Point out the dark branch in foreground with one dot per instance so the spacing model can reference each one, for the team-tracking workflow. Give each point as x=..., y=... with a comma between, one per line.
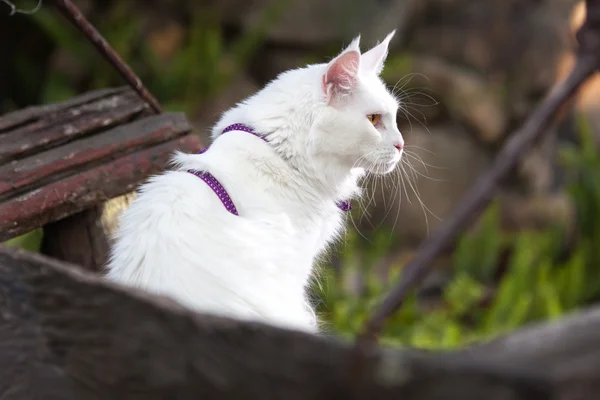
x=75, y=17
x=66, y=334
x=480, y=195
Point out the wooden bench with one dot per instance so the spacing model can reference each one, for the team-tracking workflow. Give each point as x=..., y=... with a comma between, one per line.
x=59, y=163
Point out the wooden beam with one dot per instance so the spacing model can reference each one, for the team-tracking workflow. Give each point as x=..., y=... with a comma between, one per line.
x=35, y=113
x=66, y=334
x=566, y=350
x=80, y=239
x=51, y=129
x=74, y=157
x=86, y=189
x=49, y=155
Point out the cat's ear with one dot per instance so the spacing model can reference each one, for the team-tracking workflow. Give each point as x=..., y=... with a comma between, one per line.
x=341, y=76
x=372, y=61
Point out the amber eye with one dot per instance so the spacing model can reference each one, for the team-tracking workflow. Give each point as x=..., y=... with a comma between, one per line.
x=374, y=118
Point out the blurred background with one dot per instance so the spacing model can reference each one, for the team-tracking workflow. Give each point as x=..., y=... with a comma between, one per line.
x=468, y=73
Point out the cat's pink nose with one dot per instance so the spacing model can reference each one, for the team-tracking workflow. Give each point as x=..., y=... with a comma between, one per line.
x=398, y=146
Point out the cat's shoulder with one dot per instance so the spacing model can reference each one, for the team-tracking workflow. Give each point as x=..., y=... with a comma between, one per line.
x=173, y=189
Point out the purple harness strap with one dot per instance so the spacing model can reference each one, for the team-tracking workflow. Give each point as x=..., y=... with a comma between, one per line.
x=220, y=191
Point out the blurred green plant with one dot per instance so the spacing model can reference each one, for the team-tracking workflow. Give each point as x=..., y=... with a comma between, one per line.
x=30, y=241
x=542, y=279
x=202, y=67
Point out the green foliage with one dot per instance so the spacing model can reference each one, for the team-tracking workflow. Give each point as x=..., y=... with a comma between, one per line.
x=540, y=281
x=477, y=255
x=199, y=70
x=30, y=241
x=397, y=65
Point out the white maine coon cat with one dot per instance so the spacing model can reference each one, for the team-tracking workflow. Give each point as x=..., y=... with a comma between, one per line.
x=323, y=127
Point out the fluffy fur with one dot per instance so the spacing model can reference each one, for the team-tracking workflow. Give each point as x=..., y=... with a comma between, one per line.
x=177, y=239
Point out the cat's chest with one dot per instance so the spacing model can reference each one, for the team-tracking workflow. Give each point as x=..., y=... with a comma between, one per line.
x=292, y=215
x=304, y=232
x=276, y=206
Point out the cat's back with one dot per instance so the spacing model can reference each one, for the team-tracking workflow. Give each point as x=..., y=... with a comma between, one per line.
x=159, y=228
x=177, y=238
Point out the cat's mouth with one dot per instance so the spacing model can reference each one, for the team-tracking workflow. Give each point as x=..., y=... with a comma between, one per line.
x=379, y=164
x=382, y=168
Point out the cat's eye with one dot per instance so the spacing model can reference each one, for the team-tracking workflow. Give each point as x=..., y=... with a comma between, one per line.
x=374, y=118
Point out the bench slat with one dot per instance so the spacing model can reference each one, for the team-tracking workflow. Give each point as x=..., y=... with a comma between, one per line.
x=84, y=190
x=64, y=125
x=73, y=157
x=30, y=114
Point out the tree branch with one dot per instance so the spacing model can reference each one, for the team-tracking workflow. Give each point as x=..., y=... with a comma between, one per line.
x=75, y=17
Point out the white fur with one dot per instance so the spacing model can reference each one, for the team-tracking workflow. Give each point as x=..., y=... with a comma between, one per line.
x=177, y=238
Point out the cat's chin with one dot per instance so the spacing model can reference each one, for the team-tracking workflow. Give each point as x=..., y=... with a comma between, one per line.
x=383, y=168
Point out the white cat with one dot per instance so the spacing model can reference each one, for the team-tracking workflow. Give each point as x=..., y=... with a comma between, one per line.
x=247, y=249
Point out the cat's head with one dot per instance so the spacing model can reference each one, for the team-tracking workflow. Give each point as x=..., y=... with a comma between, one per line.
x=328, y=119
x=357, y=125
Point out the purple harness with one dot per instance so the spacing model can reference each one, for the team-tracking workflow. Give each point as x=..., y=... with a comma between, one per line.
x=220, y=191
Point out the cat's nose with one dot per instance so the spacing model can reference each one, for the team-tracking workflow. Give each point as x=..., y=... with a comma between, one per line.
x=398, y=143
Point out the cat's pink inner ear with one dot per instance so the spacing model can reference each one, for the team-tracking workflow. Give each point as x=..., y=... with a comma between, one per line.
x=342, y=73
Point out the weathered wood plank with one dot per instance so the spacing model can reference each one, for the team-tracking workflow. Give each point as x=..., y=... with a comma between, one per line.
x=73, y=157
x=568, y=350
x=30, y=114
x=91, y=339
x=86, y=189
x=69, y=124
